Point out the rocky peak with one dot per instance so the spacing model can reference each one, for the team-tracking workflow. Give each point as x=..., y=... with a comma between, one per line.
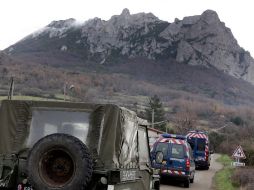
x=189, y=20
x=93, y=23
x=55, y=29
x=62, y=23
x=125, y=13
x=126, y=19
x=210, y=17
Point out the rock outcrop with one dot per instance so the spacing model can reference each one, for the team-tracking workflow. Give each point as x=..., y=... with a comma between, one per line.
x=196, y=40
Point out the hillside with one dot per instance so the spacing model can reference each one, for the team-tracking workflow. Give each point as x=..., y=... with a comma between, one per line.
x=134, y=55
x=201, y=40
x=170, y=82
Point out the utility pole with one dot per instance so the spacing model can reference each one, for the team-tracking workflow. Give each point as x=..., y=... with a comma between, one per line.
x=10, y=94
x=152, y=118
x=65, y=86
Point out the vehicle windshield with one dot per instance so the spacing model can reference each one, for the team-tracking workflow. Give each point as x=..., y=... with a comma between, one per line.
x=192, y=143
x=46, y=122
x=201, y=144
x=143, y=146
x=177, y=151
x=162, y=147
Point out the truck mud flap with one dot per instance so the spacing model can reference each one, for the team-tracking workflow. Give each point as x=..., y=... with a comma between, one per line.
x=1, y=166
x=8, y=171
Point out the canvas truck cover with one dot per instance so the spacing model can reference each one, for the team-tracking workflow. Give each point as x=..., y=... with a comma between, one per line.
x=111, y=138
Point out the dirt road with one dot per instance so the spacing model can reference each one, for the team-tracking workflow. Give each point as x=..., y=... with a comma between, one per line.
x=203, y=178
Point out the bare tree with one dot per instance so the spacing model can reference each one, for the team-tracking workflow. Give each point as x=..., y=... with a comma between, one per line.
x=185, y=121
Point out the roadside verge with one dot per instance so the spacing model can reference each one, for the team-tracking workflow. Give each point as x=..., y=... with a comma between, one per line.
x=222, y=179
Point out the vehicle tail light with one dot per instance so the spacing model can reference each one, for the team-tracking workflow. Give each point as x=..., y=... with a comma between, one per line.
x=188, y=164
x=206, y=155
x=20, y=187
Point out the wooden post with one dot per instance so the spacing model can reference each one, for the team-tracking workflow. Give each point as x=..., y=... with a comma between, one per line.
x=153, y=118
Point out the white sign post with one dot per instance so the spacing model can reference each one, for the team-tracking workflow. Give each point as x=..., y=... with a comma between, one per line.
x=238, y=154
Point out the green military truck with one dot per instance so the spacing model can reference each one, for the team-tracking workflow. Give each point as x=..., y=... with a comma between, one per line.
x=73, y=146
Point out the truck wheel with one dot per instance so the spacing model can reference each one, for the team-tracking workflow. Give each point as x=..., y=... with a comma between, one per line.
x=156, y=185
x=59, y=162
x=187, y=183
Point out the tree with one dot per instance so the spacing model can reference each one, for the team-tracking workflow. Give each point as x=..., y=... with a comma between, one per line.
x=155, y=105
x=215, y=140
x=4, y=72
x=185, y=121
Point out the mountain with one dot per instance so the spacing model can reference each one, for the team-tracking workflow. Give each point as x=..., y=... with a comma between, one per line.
x=195, y=40
x=195, y=65
x=132, y=56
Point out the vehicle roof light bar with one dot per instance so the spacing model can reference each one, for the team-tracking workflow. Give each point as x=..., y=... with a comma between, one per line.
x=197, y=131
x=166, y=135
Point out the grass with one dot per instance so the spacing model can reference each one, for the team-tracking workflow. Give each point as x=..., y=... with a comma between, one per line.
x=223, y=177
x=225, y=160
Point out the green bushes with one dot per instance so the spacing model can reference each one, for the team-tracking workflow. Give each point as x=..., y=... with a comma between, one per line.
x=237, y=120
x=215, y=140
x=225, y=160
x=249, y=153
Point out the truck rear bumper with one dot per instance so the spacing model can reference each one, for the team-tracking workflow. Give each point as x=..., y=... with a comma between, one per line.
x=178, y=175
x=202, y=163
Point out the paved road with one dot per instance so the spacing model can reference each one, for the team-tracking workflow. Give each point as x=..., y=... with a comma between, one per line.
x=203, y=178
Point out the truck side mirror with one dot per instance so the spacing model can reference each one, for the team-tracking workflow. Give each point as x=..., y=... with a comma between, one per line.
x=211, y=151
x=159, y=157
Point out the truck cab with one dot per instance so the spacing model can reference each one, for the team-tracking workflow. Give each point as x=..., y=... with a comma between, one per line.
x=69, y=146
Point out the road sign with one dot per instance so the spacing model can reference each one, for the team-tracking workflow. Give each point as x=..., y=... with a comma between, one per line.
x=238, y=153
x=237, y=164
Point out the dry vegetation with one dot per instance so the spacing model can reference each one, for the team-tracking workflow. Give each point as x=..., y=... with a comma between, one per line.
x=244, y=178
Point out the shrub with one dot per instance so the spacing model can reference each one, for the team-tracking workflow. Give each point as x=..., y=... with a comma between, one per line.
x=249, y=153
x=51, y=96
x=215, y=140
x=243, y=176
x=237, y=120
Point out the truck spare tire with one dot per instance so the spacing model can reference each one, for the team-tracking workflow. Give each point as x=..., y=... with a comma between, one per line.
x=59, y=162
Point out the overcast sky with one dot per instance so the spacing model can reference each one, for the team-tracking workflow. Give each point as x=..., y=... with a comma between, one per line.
x=19, y=18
